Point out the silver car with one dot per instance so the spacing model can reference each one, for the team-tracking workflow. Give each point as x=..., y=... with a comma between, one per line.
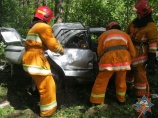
x=79, y=61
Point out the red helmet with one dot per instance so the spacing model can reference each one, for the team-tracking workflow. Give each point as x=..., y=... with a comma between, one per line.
x=44, y=13
x=111, y=24
x=143, y=7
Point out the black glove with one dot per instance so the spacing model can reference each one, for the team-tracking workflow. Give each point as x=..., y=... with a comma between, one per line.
x=151, y=64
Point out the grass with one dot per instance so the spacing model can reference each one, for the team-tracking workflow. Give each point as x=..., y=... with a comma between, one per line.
x=72, y=103
x=3, y=91
x=101, y=111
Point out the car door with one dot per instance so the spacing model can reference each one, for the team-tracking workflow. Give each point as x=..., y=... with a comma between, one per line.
x=77, y=55
x=78, y=59
x=14, y=45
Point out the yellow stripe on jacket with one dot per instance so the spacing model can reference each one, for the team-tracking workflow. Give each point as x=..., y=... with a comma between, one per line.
x=39, y=38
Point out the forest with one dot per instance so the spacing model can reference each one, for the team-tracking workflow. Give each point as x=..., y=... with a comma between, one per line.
x=18, y=14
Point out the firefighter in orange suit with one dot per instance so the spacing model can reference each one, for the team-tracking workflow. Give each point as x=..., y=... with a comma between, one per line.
x=39, y=38
x=144, y=35
x=116, y=51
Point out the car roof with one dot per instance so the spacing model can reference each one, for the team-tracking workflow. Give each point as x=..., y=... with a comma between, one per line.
x=97, y=29
x=65, y=31
x=66, y=26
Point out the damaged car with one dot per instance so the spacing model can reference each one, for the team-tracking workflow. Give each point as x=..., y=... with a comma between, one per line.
x=79, y=61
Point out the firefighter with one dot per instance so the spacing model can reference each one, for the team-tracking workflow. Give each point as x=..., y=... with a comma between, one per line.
x=144, y=35
x=40, y=38
x=116, y=51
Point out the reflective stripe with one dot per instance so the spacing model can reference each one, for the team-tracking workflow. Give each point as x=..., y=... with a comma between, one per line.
x=48, y=106
x=139, y=60
x=144, y=37
x=153, y=46
x=59, y=48
x=41, y=12
x=97, y=96
x=138, y=87
x=115, y=68
x=129, y=81
x=36, y=69
x=34, y=37
x=118, y=66
x=139, y=84
x=115, y=37
x=120, y=93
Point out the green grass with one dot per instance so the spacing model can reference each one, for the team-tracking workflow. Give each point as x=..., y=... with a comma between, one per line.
x=3, y=92
x=101, y=111
x=72, y=103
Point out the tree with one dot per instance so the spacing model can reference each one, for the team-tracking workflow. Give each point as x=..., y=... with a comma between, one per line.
x=0, y=13
x=59, y=11
x=19, y=13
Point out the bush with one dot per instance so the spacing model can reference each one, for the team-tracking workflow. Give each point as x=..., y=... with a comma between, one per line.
x=2, y=50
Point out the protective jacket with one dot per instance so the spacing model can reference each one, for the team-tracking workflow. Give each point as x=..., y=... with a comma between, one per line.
x=116, y=52
x=145, y=42
x=39, y=38
x=116, y=58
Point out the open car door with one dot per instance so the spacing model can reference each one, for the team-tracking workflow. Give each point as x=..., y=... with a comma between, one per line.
x=78, y=59
x=14, y=43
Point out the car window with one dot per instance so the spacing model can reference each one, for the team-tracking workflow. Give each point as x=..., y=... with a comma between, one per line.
x=78, y=41
x=94, y=37
x=94, y=34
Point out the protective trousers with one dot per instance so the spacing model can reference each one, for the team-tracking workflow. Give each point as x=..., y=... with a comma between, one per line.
x=100, y=86
x=137, y=76
x=47, y=90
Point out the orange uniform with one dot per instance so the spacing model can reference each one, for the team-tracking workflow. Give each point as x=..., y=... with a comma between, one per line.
x=39, y=38
x=145, y=42
x=116, y=52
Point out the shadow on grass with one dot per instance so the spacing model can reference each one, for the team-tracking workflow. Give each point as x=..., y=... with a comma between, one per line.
x=17, y=91
x=72, y=101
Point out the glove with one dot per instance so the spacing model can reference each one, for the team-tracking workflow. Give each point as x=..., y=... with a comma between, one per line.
x=151, y=64
x=62, y=51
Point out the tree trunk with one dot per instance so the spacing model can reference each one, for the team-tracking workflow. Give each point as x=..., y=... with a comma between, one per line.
x=59, y=11
x=1, y=13
x=66, y=10
x=37, y=3
x=45, y=2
